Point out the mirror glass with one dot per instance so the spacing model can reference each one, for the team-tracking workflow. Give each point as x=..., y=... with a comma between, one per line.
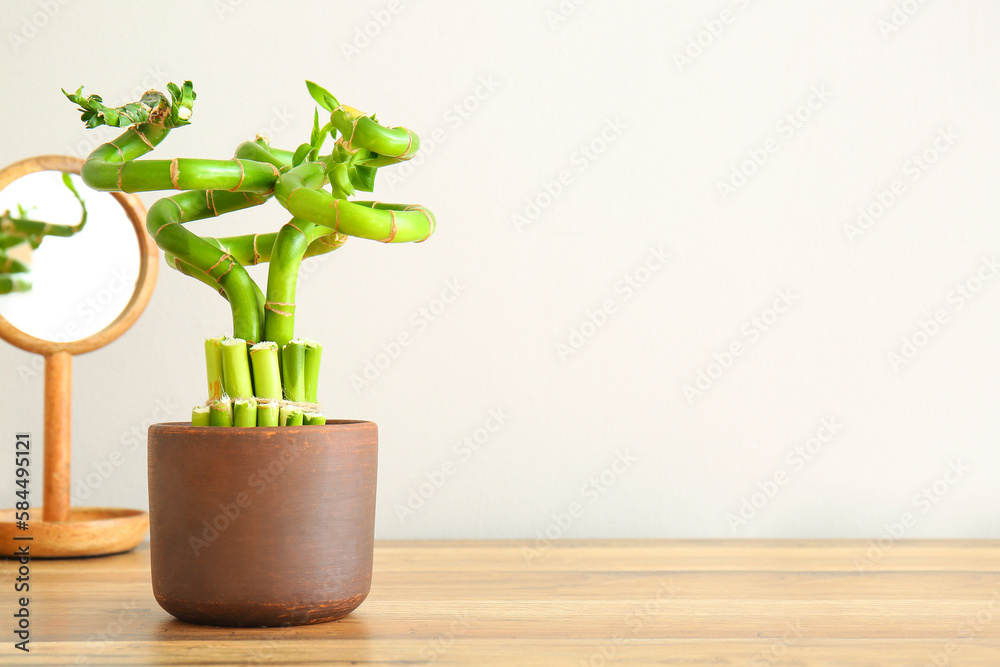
x=74, y=280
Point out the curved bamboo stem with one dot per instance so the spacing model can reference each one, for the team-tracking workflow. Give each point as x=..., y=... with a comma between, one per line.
x=389, y=223
x=165, y=220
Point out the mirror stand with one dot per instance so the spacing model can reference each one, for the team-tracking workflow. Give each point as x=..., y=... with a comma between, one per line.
x=58, y=397
x=57, y=530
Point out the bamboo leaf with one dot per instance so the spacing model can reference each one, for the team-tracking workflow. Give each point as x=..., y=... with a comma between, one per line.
x=314, y=137
x=300, y=154
x=322, y=96
x=363, y=178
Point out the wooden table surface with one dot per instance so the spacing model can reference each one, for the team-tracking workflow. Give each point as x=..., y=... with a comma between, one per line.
x=678, y=602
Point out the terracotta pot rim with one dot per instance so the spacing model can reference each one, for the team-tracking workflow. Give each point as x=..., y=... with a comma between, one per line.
x=185, y=427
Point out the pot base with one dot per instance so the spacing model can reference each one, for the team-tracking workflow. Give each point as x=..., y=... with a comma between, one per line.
x=259, y=616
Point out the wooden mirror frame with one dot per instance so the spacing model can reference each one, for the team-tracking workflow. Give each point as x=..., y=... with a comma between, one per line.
x=148, y=265
x=64, y=531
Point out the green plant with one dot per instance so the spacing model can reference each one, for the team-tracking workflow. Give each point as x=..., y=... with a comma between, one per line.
x=18, y=232
x=262, y=373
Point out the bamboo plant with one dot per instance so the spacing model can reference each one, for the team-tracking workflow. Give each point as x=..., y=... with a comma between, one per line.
x=261, y=375
x=19, y=232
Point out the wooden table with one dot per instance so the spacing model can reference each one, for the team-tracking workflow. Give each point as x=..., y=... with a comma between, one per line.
x=572, y=603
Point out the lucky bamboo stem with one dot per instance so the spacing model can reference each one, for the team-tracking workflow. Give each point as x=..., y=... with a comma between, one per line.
x=390, y=223
x=266, y=376
x=313, y=419
x=289, y=247
x=213, y=366
x=200, y=416
x=290, y=416
x=293, y=371
x=236, y=380
x=244, y=412
x=268, y=413
x=221, y=412
x=313, y=353
x=162, y=222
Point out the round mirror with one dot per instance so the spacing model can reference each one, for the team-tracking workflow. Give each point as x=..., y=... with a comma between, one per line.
x=76, y=270
x=76, y=265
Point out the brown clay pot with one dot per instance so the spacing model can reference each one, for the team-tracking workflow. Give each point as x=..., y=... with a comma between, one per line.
x=262, y=526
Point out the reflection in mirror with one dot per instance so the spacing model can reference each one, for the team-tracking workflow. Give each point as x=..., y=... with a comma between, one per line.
x=62, y=279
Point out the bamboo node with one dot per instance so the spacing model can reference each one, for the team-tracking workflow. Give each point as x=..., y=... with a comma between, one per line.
x=175, y=173
x=121, y=153
x=409, y=142
x=431, y=225
x=270, y=305
x=145, y=140
x=392, y=228
x=243, y=174
x=223, y=258
x=162, y=227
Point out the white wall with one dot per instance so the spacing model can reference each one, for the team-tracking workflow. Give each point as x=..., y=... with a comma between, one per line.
x=673, y=132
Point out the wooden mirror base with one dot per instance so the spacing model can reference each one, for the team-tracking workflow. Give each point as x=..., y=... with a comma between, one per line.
x=89, y=531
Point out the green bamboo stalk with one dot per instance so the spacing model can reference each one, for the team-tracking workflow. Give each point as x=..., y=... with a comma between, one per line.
x=313, y=353
x=289, y=247
x=236, y=379
x=266, y=376
x=213, y=366
x=290, y=416
x=251, y=249
x=390, y=223
x=162, y=223
x=103, y=163
x=293, y=370
x=244, y=412
x=313, y=419
x=363, y=132
x=268, y=413
x=108, y=173
x=188, y=270
x=221, y=413
x=200, y=416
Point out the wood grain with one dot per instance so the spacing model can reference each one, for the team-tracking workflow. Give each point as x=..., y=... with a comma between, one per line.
x=685, y=602
x=58, y=395
x=86, y=531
